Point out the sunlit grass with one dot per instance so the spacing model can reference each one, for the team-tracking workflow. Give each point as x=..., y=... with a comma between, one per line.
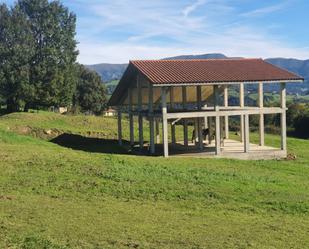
x=54, y=197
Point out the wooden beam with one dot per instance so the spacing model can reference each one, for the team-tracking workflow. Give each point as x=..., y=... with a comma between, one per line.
x=261, y=120
x=229, y=83
x=217, y=130
x=140, y=117
x=283, y=117
x=246, y=134
x=164, y=121
x=151, y=119
x=226, y=118
x=119, y=128
x=131, y=117
x=232, y=112
x=185, y=121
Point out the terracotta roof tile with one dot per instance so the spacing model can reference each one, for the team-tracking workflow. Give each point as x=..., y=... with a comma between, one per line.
x=160, y=72
x=211, y=70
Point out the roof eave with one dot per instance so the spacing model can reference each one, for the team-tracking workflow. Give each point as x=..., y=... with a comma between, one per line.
x=227, y=82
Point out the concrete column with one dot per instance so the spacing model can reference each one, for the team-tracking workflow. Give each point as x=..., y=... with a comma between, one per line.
x=283, y=117
x=131, y=118
x=246, y=133
x=185, y=121
x=226, y=118
x=242, y=104
x=261, y=120
x=140, y=116
x=119, y=128
x=164, y=121
x=151, y=119
x=216, y=107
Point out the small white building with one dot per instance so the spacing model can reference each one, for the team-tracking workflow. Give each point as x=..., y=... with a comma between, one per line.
x=110, y=112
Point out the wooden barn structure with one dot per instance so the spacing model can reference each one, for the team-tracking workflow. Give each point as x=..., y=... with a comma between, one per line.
x=196, y=92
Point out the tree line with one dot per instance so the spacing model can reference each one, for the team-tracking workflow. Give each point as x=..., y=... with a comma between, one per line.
x=38, y=53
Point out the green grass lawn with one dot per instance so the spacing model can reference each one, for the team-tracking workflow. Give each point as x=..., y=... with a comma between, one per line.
x=56, y=197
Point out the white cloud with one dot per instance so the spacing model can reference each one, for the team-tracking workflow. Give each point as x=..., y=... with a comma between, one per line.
x=192, y=7
x=148, y=24
x=266, y=10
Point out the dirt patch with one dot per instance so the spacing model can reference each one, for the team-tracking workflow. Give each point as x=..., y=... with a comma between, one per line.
x=45, y=134
x=6, y=198
x=291, y=157
x=52, y=133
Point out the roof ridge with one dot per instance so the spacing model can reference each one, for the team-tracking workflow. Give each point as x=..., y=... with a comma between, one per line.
x=186, y=60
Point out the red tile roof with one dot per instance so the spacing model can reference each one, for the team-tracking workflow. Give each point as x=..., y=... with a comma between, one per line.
x=207, y=71
x=211, y=71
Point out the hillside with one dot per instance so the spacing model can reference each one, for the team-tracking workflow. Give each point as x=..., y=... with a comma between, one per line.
x=79, y=195
x=110, y=72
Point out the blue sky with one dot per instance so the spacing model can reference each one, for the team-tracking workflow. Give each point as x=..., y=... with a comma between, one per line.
x=116, y=31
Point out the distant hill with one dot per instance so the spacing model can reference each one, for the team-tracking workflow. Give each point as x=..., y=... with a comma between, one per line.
x=197, y=57
x=110, y=72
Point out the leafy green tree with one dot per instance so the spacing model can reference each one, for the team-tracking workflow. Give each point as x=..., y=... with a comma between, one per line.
x=16, y=50
x=294, y=111
x=52, y=66
x=301, y=124
x=90, y=93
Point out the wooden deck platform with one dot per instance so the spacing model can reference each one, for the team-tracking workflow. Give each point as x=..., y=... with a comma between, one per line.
x=230, y=149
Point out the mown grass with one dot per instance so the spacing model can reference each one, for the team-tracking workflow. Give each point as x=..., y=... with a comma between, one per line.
x=54, y=197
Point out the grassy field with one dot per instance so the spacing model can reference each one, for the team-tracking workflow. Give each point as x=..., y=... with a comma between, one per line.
x=53, y=196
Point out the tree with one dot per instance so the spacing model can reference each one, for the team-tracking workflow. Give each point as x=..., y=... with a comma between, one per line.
x=294, y=111
x=37, y=54
x=16, y=50
x=301, y=125
x=52, y=66
x=90, y=93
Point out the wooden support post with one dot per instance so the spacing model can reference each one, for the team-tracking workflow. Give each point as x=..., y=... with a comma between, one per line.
x=226, y=118
x=164, y=122
x=157, y=132
x=185, y=121
x=119, y=128
x=173, y=131
x=246, y=133
x=210, y=129
x=261, y=121
x=140, y=117
x=218, y=140
x=195, y=132
x=131, y=117
x=283, y=117
x=242, y=104
x=216, y=107
x=199, y=120
x=151, y=119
